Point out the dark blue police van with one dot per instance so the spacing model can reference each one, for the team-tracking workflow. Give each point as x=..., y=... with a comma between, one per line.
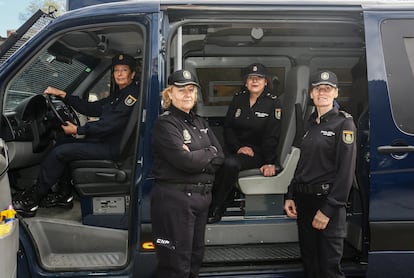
x=107, y=233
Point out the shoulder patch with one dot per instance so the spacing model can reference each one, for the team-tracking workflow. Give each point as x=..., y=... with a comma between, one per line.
x=348, y=136
x=345, y=114
x=130, y=100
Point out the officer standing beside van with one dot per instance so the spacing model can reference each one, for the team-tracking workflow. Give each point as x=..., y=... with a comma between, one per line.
x=323, y=178
x=186, y=156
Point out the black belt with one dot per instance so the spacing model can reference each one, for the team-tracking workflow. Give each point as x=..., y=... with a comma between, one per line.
x=317, y=189
x=203, y=188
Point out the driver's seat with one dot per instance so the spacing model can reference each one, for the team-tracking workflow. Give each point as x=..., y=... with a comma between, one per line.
x=104, y=185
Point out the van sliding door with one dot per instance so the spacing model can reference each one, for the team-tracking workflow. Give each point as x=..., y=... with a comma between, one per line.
x=390, y=61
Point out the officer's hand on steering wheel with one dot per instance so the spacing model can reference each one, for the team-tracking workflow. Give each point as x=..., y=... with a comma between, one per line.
x=56, y=92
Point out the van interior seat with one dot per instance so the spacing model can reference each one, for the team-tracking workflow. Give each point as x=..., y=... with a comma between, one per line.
x=104, y=185
x=295, y=97
x=100, y=177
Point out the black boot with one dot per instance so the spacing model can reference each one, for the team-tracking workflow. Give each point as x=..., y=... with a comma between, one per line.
x=215, y=215
x=58, y=199
x=59, y=196
x=27, y=203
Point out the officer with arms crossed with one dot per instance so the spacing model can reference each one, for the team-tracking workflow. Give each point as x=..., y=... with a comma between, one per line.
x=251, y=134
x=101, y=137
x=323, y=178
x=186, y=156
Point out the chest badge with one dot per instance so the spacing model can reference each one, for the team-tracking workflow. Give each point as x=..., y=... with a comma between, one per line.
x=348, y=136
x=278, y=113
x=130, y=100
x=187, y=136
x=237, y=113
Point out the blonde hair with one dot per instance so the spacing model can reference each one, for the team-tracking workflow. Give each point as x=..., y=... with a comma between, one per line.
x=166, y=100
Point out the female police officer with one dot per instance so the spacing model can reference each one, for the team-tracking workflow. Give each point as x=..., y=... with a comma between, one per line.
x=186, y=155
x=319, y=190
x=251, y=133
x=101, y=137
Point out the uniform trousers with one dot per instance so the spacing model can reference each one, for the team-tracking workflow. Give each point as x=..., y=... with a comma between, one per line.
x=228, y=175
x=66, y=150
x=178, y=225
x=321, y=251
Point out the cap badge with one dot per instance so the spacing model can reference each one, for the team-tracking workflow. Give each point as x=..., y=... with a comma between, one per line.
x=121, y=57
x=325, y=76
x=187, y=74
x=254, y=68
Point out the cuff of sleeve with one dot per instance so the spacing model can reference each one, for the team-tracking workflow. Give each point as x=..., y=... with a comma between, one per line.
x=327, y=210
x=81, y=130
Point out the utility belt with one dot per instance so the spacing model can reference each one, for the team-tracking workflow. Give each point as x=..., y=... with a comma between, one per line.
x=315, y=189
x=203, y=188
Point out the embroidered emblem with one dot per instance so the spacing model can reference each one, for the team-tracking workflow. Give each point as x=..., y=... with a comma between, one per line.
x=328, y=133
x=238, y=113
x=261, y=114
x=187, y=136
x=254, y=68
x=130, y=100
x=324, y=76
x=187, y=74
x=204, y=130
x=278, y=113
x=120, y=57
x=348, y=136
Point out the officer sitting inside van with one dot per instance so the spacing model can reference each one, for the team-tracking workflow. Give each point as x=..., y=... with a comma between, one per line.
x=101, y=138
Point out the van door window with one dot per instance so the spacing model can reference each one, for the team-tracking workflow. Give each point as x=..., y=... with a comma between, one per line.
x=398, y=45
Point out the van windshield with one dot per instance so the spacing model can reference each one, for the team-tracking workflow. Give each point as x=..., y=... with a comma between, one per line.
x=46, y=70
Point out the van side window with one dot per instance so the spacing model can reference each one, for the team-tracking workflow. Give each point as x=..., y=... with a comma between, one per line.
x=398, y=45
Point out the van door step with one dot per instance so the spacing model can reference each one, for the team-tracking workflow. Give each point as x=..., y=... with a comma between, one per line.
x=251, y=253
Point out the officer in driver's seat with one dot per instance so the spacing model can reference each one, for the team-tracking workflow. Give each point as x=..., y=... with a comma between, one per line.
x=101, y=138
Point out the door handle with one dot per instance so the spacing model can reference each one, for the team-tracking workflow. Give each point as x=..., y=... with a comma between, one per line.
x=395, y=149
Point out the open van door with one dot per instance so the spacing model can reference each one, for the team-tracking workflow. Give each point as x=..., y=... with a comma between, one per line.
x=9, y=229
x=390, y=68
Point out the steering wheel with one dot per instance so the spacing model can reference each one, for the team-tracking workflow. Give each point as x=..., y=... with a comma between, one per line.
x=65, y=113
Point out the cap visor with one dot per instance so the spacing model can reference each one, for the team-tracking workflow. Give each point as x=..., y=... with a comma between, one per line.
x=324, y=83
x=179, y=84
x=256, y=74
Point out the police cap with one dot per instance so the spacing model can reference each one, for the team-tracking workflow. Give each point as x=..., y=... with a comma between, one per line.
x=124, y=59
x=182, y=78
x=325, y=77
x=256, y=69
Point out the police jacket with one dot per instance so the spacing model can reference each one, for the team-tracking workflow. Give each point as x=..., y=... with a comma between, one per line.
x=172, y=163
x=328, y=155
x=113, y=112
x=257, y=127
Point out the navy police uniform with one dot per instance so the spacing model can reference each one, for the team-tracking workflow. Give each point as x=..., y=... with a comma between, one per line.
x=257, y=127
x=322, y=181
x=101, y=137
x=182, y=191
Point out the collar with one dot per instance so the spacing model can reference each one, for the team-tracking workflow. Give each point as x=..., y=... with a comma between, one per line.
x=325, y=117
x=181, y=114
